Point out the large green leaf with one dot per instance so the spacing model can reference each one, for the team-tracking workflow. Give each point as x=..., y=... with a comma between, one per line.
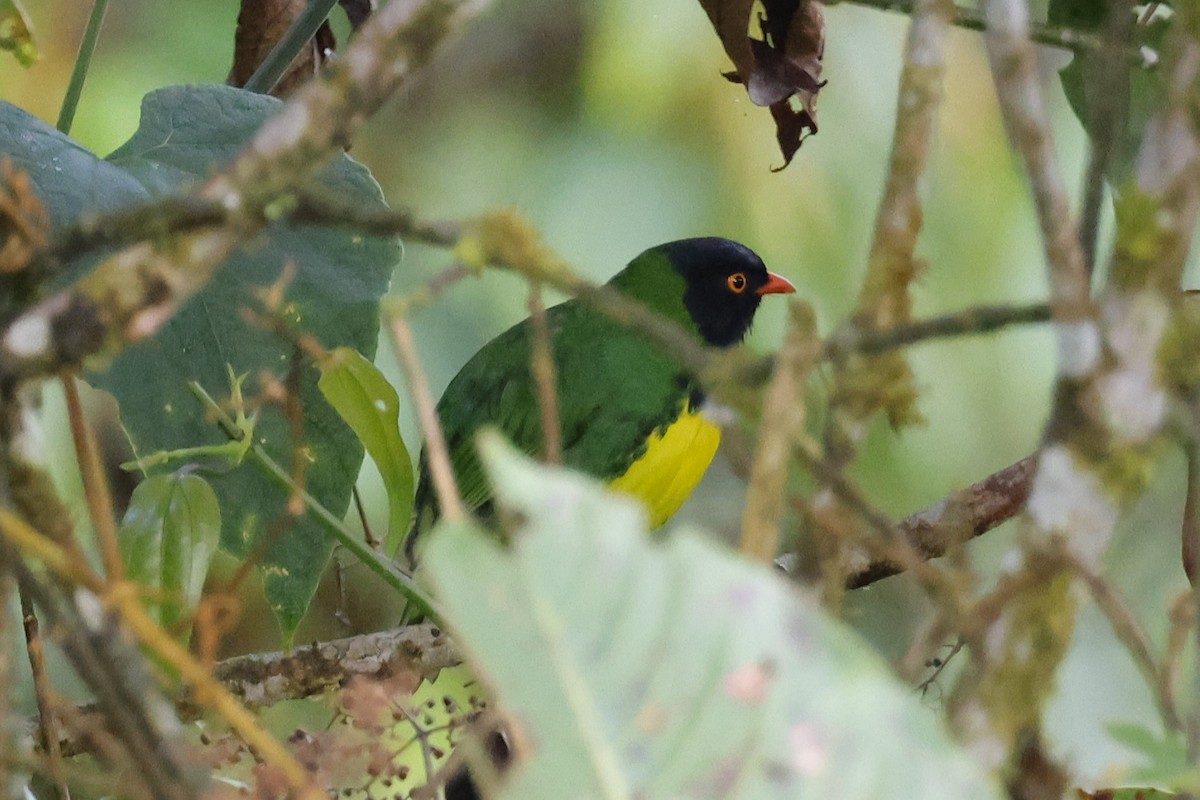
x=644, y=670
x=69, y=181
x=168, y=537
x=368, y=403
x=185, y=132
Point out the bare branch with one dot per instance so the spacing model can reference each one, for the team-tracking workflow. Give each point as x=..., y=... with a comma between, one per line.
x=958, y=518
x=263, y=679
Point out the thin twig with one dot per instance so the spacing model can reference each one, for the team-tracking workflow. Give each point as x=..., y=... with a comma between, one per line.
x=440, y=470
x=95, y=483
x=83, y=60
x=939, y=665
x=976, y=319
x=208, y=692
x=865, y=386
x=47, y=719
x=545, y=376
x=132, y=708
x=1134, y=639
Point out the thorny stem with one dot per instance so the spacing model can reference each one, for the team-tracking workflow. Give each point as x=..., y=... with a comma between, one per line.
x=334, y=526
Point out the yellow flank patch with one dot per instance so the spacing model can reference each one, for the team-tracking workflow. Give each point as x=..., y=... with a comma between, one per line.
x=675, y=460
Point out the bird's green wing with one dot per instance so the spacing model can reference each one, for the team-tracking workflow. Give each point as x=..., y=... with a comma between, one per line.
x=614, y=389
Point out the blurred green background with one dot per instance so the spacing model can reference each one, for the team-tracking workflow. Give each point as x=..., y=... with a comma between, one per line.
x=608, y=124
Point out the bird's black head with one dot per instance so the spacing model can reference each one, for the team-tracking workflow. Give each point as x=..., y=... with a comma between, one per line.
x=723, y=283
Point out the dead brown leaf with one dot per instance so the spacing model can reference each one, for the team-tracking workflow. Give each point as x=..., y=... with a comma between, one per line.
x=778, y=57
x=261, y=24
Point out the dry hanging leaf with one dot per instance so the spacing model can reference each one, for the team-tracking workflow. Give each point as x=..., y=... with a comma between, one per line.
x=261, y=24
x=780, y=62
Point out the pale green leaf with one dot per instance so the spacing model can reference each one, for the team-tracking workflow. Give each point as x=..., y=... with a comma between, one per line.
x=167, y=539
x=682, y=671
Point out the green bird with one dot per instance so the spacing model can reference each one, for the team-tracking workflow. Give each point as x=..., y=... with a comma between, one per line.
x=629, y=414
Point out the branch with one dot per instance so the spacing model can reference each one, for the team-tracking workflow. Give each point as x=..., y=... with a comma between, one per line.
x=1014, y=70
x=957, y=518
x=263, y=679
x=1062, y=37
x=976, y=319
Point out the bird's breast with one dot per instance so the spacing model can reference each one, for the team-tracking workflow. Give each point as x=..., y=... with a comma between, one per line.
x=675, y=460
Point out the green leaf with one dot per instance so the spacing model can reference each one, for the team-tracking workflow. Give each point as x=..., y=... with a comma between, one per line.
x=1085, y=15
x=371, y=407
x=168, y=537
x=70, y=180
x=16, y=36
x=1166, y=758
x=185, y=132
x=1083, y=84
x=640, y=670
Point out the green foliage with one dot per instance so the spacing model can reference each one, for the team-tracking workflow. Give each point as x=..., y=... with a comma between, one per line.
x=69, y=179
x=1165, y=757
x=168, y=537
x=370, y=406
x=334, y=296
x=15, y=34
x=1142, y=89
x=675, y=671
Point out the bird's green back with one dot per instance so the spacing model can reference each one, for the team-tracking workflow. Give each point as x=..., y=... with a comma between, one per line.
x=615, y=387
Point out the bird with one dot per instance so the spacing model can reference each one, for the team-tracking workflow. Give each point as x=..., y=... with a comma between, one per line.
x=629, y=414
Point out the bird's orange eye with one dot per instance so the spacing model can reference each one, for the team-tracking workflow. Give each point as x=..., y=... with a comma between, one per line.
x=736, y=282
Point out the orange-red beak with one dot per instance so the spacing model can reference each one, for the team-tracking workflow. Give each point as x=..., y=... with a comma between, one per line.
x=777, y=284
